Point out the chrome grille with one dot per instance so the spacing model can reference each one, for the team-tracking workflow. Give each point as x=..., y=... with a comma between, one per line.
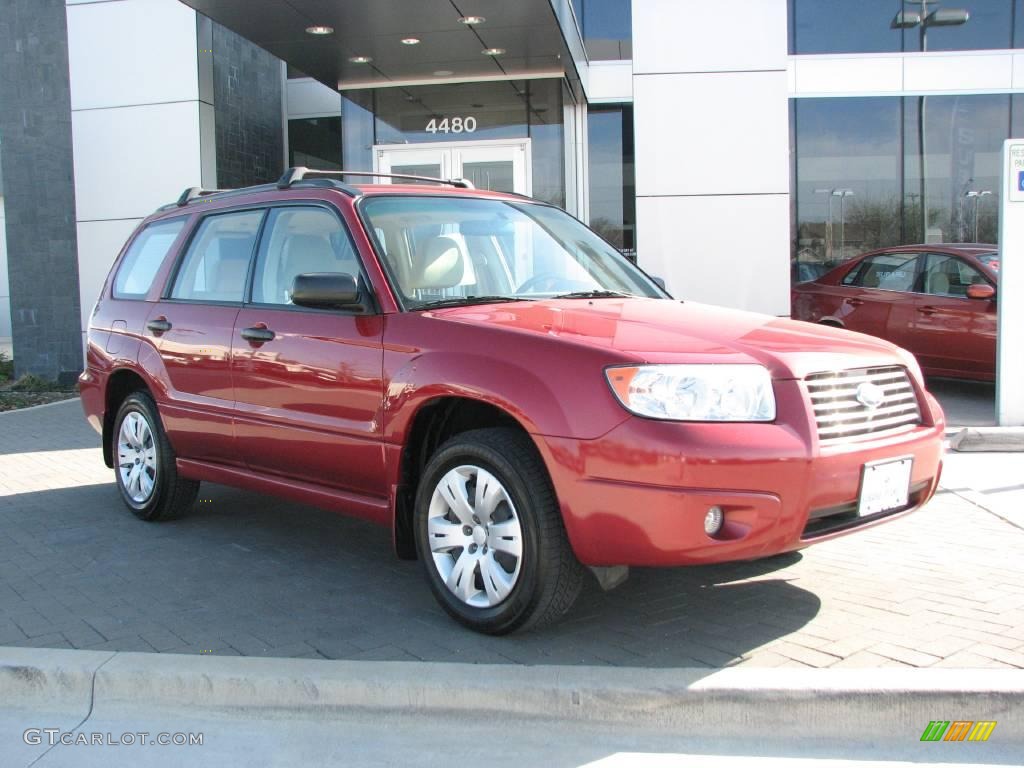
x=840, y=416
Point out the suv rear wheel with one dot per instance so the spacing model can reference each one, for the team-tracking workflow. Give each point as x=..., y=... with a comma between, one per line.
x=144, y=464
x=489, y=532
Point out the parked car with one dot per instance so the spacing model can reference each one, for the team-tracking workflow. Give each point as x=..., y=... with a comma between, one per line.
x=486, y=377
x=938, y=301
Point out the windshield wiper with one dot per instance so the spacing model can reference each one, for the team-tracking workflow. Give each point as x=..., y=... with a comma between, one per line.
x=595, y=295
x=463, y=301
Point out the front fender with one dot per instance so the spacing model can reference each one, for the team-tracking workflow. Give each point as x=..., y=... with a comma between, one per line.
x=538, y=402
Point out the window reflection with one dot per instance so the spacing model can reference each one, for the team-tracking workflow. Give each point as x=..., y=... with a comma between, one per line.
x=858, y=173
x=315, y=142
x=606, y=27
x=611, y=171
x=841, y=26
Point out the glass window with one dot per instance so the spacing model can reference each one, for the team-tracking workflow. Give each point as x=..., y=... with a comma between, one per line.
x=217, y=262
x=858, y=165
x=962, y=150
x=606, y=27
x=612, y=175
x=848, y=177
x=144, y=257
x=298, y=241
x=841, y=26
x=315, y=142
x=461, y=248
x=887, y=271
x=946, y=275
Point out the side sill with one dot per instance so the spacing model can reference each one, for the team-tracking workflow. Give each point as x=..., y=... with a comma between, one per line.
x=355, y=505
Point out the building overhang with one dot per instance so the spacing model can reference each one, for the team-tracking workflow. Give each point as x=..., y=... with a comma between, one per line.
x=369, y=44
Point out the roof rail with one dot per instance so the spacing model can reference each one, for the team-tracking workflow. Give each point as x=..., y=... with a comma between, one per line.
x=298, y=173
x=192, y=193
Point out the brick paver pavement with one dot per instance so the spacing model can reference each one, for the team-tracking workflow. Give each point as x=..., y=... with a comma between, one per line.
x=245, y=574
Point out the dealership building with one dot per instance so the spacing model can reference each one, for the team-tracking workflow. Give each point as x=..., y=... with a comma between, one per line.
x=727, y=147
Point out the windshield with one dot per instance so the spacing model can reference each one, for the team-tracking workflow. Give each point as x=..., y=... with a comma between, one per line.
x=463, y=250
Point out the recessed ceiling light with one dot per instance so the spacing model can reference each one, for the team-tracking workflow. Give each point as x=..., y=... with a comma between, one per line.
x=360, y=59
x=443, y=72
x=410, y=41
x=492, y=51
x=320, y=30
x=471, y=20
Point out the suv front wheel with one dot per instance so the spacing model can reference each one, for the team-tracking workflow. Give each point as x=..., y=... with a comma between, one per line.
x=144, y=463
x=489, y=532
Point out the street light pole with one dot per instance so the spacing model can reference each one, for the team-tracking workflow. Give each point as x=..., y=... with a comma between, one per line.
x=828, y=227
x=842, y=194
x=924, y=19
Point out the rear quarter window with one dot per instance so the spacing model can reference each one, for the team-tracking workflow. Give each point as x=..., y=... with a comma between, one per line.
x=145, y=255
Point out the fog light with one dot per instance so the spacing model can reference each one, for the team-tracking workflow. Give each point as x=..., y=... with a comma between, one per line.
x=713, y=521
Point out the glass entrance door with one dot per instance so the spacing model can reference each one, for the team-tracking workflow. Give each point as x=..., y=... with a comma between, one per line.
x=501, y=166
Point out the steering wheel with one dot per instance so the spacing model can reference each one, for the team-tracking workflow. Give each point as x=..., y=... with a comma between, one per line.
x=547, y=282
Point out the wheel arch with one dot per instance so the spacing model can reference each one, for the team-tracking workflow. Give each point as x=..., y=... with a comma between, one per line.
x=120, y=383
x=435, y=421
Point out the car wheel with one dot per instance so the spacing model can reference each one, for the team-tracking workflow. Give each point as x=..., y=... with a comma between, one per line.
x=144, y=463
x=490, y=534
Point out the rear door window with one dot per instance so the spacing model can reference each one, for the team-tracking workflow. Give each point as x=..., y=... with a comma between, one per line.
x=217, y=263
x=145, y=255
x=886, y=271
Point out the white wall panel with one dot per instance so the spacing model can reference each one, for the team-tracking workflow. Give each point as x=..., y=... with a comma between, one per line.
x=825, y=75
x=953, y=73
x=701, y=36
x=131, y=52
x=609, y=82
x=731, y=251
x=705, y=134
x=131, y=160
x=99, y=242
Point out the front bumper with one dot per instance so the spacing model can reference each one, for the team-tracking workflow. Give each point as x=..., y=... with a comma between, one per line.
x=638, y=495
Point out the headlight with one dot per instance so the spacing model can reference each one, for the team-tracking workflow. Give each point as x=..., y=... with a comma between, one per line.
x=723, y=392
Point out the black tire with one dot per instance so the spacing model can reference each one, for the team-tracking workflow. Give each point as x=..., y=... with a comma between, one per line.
x=549, y=577
x=171, y=495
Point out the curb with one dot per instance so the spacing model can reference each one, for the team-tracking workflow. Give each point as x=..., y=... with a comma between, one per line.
x=41, y=405
x=764, y=703
x=990, y=439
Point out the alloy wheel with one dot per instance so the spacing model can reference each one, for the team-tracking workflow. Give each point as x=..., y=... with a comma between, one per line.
x=137, y=457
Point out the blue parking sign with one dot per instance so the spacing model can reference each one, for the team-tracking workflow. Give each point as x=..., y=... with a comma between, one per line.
x=1020, y=181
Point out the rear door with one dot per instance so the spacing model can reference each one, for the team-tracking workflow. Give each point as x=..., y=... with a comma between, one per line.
x=308, y=382
x=953, y=334
x=877, y=295
x=190, y=329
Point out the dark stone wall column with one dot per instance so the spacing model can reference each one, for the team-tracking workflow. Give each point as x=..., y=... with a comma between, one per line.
x=35, y=141
x=247, y=111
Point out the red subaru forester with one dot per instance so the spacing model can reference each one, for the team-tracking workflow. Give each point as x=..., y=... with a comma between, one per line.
x=490, y=379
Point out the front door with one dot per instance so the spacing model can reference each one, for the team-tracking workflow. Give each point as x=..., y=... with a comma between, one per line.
x=500, y=166
x=308, y=389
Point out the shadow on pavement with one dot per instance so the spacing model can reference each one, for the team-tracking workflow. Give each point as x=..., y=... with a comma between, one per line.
x=966, y=403
x=244, y=574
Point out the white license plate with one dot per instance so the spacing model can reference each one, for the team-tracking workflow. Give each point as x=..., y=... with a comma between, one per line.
x=884, y=485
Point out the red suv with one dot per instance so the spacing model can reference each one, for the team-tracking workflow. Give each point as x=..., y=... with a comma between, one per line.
x=491, y=380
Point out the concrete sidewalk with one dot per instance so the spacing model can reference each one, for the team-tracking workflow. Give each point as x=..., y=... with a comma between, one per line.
x=249, y=710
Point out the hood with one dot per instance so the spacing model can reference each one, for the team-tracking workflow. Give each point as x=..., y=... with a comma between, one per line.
x=665, y=331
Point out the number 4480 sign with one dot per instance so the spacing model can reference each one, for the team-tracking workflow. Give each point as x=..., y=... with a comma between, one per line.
x=452, y=125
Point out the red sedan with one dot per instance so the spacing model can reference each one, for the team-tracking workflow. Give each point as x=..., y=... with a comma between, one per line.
x=938, y=301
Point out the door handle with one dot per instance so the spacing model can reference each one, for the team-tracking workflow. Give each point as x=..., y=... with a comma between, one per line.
x=159, y=325
x=258, y=334
x=927, y=310
x=854, y=302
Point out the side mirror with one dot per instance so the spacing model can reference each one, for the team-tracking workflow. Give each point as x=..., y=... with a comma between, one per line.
x=981, y=291
x=660, y=281
x=326, y=290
